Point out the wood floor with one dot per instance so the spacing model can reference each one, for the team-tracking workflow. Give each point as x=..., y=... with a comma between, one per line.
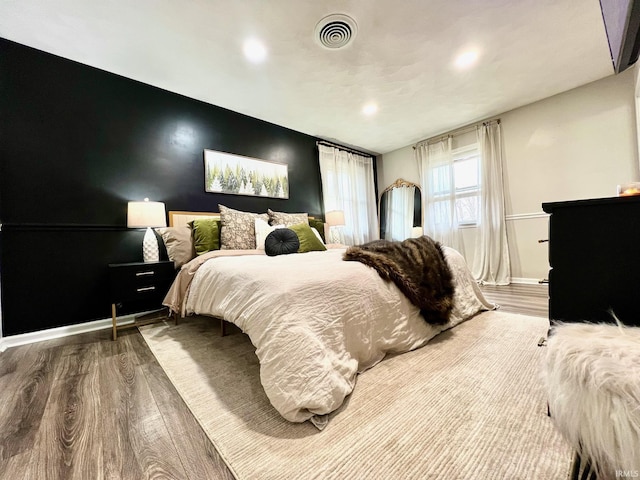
x=518, y=298
x=86, y=407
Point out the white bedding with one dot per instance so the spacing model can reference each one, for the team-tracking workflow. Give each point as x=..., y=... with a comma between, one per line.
x=317, y=321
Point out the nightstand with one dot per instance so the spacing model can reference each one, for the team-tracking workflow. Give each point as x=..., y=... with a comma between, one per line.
x=139, y=286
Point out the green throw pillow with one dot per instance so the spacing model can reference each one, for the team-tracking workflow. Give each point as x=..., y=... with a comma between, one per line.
x=308, y=240
x=319, y=226
x=206, y=235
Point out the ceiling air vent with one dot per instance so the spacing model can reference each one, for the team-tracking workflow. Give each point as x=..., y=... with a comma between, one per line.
x=336, y=31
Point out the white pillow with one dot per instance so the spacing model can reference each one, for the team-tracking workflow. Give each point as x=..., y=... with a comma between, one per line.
x=262, y=230
x=317, y=235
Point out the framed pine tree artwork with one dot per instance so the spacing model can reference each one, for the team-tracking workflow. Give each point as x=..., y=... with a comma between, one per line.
x=238, y=175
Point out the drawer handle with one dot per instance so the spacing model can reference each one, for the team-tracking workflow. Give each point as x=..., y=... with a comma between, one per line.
x=141, y=274
x=145, y=289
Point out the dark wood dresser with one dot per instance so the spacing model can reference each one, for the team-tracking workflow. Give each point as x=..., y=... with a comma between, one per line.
x=594, y=253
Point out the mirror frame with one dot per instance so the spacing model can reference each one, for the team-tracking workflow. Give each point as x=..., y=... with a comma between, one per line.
x=417, y=204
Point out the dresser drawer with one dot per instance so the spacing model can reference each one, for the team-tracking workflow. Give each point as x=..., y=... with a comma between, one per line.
x=140, y=281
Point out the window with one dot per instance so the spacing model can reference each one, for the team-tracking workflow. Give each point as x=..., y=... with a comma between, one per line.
x=348, y=185
x=466, y=182
x=466, y=171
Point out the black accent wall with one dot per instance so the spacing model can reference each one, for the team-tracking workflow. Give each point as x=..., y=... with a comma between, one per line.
x=76, y=144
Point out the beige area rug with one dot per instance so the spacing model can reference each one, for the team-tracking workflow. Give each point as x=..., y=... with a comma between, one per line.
x=468, y=405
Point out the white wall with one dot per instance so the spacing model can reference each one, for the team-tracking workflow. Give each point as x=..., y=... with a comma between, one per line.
x=578, y=144
x=397, y=164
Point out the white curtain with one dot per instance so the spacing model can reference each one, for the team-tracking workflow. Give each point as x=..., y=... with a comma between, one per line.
x=435, y=163
x=491, y=263
x=399, y=208
x=348, y=185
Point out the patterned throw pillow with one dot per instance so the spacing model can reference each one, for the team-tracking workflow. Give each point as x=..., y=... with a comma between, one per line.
x=238, y=228
x=287, y=219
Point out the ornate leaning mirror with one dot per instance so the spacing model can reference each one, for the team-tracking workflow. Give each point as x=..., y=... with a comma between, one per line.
x=400, y=211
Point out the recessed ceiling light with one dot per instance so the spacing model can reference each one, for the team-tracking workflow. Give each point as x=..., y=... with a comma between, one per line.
x=370, y=109
x=466, y=59
x=254, y=50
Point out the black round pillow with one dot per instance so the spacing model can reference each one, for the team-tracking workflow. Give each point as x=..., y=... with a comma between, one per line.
x=281, y=241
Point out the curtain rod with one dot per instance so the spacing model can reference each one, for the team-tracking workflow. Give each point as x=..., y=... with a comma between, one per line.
x=457, y=131
x=340, y=147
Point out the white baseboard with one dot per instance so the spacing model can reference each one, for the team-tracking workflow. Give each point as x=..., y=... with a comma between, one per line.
x=49, y=334
x=525, y=281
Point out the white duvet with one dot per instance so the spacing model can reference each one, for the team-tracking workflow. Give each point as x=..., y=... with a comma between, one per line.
x=316, y=320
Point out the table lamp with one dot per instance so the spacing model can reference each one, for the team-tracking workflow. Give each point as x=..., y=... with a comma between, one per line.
x=334, y=218
x=147, y=215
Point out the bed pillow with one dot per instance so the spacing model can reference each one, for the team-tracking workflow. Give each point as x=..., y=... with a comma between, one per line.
x=238, y=230
x=287, y=219
x=319, y=226
x=262, y=230
x=282, y=241
x=317, y=234
x=179, y=244
x=308, y=240
x=206, y=235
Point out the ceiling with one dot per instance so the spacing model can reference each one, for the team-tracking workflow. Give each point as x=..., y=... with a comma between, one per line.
x=402, y=57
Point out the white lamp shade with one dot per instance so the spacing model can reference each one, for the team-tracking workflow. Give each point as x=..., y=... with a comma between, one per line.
x=146, y=214
x=334, y=218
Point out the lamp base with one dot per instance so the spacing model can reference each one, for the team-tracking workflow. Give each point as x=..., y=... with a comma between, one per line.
x=150, y=251
x=335, y=234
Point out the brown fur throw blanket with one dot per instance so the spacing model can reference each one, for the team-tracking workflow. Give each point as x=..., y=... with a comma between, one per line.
x=418, y=267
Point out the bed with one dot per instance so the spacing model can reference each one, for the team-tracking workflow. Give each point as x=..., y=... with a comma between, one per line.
x=316, y=320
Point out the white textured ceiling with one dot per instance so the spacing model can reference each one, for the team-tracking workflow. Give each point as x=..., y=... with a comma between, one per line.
x=402, y=57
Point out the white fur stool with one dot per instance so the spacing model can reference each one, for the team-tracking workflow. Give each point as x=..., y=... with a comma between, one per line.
x=592, y=374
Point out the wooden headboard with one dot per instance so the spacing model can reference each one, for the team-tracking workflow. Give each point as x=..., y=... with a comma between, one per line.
x=180, y=219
